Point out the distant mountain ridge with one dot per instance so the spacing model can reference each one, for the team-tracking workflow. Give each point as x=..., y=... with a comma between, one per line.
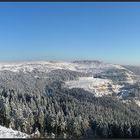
x=88, y=61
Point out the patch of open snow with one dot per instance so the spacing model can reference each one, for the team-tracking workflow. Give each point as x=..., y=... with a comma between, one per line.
x=36, y=76
x=129, y=78
x=96, y=85
x=125, y=101
x=118, y=66
x=10, y=133
x=137, y=102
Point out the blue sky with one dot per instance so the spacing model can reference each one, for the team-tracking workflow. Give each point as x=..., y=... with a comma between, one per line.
x=69, y=31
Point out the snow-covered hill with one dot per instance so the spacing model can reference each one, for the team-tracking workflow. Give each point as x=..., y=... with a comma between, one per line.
x=10, y=133
x=107, y=74
x=47, y=66
x=33, y=93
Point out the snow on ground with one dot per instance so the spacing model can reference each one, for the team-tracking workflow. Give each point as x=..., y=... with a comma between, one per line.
x=129, y=78
x=99, y=86
x=118, y=66
x=137, y=102
x=10, y=133
x=44, y=66
x=47, y=66
x=125, y=101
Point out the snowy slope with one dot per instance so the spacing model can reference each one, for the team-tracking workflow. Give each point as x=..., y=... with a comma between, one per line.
x=44, y=66
x=10, y=133
x=96, y=85
x=47, y=66
x=99, y=85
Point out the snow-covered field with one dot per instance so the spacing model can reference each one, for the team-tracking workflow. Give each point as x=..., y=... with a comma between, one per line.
x=99, y=86
x=10, y=133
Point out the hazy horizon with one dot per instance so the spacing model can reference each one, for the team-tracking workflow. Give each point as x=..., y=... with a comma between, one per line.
x=43, y=60
x=68, y=31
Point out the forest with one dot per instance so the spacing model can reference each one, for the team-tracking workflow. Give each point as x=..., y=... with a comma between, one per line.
x=44, y=108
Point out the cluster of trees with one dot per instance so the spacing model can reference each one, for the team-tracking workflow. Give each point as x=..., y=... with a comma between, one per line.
x=116, y=75
x=95, y=62
x=66, y=75
x=43, y=108
x=134, y=69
